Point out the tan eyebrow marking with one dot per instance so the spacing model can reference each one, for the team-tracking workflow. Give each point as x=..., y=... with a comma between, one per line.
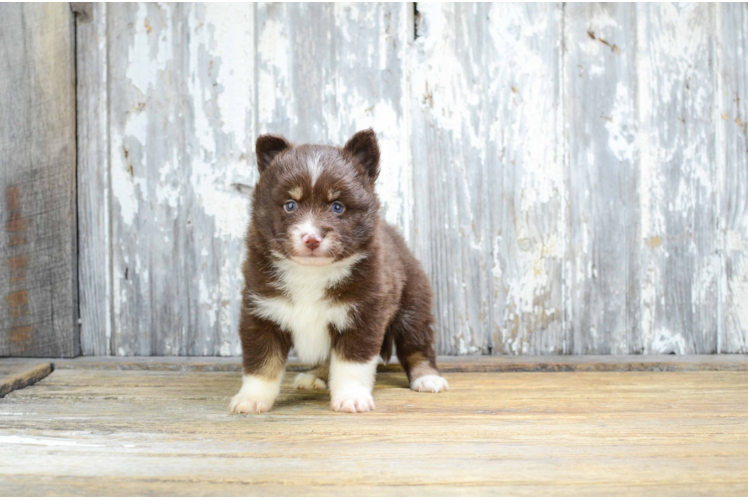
x=333, y=195
x=296, y=193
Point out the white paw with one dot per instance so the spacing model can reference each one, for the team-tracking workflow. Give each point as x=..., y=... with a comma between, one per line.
x=308, y=381
x=359, y=401
x=429, y=383
x=245, y=402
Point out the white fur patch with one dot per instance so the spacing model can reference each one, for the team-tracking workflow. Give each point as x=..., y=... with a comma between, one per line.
x=257, y=395
x=308, y=381
x=304, y=311
x=297, y=232
x=305, y=227
x=351, y=384
x=315, y=168
x=430, y=383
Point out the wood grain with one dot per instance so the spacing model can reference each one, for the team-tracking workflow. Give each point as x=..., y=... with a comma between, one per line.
x=179, y=203
x=450, y=200
x=572, y=177
x=326, y=71
x=603, y=238
x=181, y=135
x=524, y=148
x=94, y=185
x=678, y=195
x=38, y=276
x=732, y=161
x=23, y=376
x=131, y=432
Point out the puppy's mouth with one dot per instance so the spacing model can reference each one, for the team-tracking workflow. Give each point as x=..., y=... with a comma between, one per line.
x=312, y=260
x=305, y=256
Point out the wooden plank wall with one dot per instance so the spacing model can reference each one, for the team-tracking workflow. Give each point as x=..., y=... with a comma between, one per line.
x=38, y=277
x=573, y=177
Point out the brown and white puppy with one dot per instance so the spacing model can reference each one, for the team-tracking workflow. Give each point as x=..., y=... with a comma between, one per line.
x=326, y=275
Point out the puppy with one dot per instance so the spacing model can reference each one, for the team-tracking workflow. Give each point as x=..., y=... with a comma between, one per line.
x=325, y=275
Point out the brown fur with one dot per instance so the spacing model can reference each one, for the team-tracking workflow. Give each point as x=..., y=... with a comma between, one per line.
x=390, y=294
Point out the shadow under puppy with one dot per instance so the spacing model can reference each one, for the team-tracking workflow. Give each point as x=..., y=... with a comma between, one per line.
x=325, y=275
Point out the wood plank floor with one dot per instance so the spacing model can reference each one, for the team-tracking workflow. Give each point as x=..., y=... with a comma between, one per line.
x=89, y=431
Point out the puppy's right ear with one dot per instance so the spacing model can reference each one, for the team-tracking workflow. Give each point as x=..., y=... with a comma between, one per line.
x=268, y=147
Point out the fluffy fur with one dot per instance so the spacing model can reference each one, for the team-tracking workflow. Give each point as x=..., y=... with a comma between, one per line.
x=326, y=275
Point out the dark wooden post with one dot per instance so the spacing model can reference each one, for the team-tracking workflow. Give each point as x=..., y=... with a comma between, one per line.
x=38, y=248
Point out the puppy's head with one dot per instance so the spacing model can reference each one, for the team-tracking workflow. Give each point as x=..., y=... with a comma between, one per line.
x=316, y=204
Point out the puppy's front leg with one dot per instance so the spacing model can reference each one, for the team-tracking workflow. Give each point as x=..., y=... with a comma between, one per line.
x=353, y=363
x=264, y=352
x=351, y=383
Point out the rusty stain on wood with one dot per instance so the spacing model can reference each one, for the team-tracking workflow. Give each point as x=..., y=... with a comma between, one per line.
x=17, y=303
x=17, y=268
x=16, y=224
x=20, y=336
x=38, y=286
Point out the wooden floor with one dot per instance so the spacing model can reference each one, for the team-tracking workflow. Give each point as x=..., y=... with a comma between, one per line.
x=87, y=430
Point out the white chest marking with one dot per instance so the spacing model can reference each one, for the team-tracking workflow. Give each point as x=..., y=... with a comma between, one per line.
x=304, y=311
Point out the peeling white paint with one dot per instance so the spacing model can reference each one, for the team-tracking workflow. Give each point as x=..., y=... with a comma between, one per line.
x=144, y=60
x=472, y=123
x=622, y=140
x=666, y=342
x=273, y=81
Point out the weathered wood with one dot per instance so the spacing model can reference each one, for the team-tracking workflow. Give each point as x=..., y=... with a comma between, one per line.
x=447, y=364
x=525, y=172
x=603, y=238
x=451, y=206
x=138, y=433
x=565, y=173
x=84, y=11
x=489, y=177
x=38, y=276
x=678, y=189
x=326, y=70
x=94, y=188
x=181, y=80
x=178, y=214
x=732, y=161
x=23, y=377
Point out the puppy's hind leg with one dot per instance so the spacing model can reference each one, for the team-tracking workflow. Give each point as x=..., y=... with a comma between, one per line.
x=412, y=329
x=419, y=361
x=316, y=378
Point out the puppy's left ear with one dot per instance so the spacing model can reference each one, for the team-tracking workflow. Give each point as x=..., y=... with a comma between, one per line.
x=365, y=151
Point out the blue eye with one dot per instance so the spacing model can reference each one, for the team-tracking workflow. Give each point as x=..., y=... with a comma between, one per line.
x=337, y=207
x=290, y=206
